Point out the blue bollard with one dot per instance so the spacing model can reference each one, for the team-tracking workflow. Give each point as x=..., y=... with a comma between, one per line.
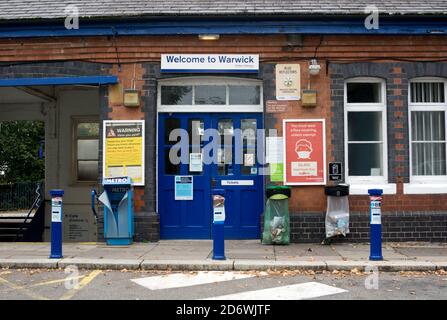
x=56, y=223
x=375, y=196
x=218, y=224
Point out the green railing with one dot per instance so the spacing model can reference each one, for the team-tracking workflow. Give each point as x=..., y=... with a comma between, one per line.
x=17, y=196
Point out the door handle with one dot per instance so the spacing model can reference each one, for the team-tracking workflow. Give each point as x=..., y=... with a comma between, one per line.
x=213, y=182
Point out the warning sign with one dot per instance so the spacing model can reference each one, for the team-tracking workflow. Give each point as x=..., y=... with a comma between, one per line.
x=123, y=150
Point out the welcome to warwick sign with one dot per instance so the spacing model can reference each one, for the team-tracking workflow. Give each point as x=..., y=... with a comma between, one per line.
x=200, y=63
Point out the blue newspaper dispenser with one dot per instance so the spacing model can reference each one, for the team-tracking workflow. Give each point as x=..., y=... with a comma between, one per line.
x=117, y=199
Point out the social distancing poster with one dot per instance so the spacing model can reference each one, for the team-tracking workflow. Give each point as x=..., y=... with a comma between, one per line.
x=123, y=150
x=304, y=152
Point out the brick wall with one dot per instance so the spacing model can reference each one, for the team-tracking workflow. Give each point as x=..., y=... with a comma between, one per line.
x=396, y=226
x=397, y=77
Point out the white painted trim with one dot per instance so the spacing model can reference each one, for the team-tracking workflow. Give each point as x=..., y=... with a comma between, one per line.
x=143, y=172
x=362, y=189
x=323, y=121
x=211, y=108
x=226, y=81
x=433, y=182
x=425, y=188
x=367, y=107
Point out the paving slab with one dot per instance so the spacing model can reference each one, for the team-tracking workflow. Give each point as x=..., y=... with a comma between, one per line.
x=250, y=252
x=361, y=252
x=306, y=252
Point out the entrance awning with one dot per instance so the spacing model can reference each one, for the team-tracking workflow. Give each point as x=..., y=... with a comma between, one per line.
x=90, y=80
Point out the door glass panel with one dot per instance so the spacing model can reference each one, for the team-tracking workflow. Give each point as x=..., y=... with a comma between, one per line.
x=248, y=127
x=170, y=125
x=196, y=131
x=249, y=165
x=170, y=166
x=247, y=95
x=226, y=131
x=225, y=161
x=195, y=154
x=210, y=95
x=176, y=95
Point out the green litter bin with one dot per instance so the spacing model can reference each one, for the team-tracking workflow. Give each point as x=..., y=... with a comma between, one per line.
x=276, y=216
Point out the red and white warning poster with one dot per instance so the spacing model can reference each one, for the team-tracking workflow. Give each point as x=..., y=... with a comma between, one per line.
x=304, y=152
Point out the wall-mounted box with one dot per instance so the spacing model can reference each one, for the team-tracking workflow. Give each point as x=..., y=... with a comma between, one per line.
x=309, y=98
x=116, y=95
x=131, y=98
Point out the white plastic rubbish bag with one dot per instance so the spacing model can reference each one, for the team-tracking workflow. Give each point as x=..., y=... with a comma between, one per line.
x=337, y=216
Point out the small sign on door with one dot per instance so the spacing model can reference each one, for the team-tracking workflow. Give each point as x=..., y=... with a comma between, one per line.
x=335, y=171
x=184, y=188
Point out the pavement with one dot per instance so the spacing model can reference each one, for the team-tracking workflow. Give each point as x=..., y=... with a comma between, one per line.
x=241, y=255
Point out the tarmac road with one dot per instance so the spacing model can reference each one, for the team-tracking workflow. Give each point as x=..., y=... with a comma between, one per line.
x=42, y=284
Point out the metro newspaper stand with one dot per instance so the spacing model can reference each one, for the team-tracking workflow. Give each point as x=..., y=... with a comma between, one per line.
x=117, y=199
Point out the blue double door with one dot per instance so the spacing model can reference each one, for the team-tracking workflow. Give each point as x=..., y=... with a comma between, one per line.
x=220, y=151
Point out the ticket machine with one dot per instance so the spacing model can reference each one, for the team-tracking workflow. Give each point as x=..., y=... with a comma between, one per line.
x=117, y=199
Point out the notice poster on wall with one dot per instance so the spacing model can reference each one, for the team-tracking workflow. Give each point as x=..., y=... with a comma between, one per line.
x=288, y=86
x=123, y=149
x=304, y=151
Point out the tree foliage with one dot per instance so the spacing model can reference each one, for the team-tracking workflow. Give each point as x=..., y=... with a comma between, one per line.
x=19, y=151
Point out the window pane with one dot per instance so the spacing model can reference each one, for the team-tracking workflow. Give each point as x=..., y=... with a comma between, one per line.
x=359, y=92
x=245, y=95
x=88, y=149
x=170, y=125
x=428, y=125
x=87, y=170
x=365, y=159
x=210, y=95
x=176, y=95
x=427, y=92
x=428, y=159
x=88, y=129
x=365, y=126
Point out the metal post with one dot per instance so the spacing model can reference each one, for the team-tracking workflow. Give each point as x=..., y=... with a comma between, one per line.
x=375, y=196
x=56, y=223
x=218, y=224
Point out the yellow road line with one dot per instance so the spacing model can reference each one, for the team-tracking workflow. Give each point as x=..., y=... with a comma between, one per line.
x=89, y=278
x=54, y=281
x=22, y=290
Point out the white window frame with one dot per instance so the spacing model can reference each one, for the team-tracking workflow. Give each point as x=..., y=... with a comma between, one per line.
x=222, y=81
x=360, y=184
x=425, y=184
